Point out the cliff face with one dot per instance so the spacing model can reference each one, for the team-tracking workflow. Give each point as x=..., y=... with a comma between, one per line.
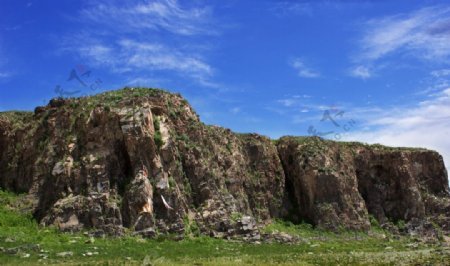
x=324, y=187
x=141, y=159
x=340, y=184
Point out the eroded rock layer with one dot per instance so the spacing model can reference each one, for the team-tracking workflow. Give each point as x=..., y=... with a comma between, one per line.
x=141, y=159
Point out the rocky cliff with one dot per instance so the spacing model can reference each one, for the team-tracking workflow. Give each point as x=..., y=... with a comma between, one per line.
x=141, y=159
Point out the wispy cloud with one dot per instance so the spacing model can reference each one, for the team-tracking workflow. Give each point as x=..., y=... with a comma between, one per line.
x=435, y=83
x=440, y=73
x=423, y=34
x=145, y=82
x=293, y=100
x=145, y=37
x=303, y=70
x=426, y=124
x=129, y=54
x=284, y=8
x=159, y=15
x=287, y=102
x=299, y=108
x=235, y=110
x=363, y=72
x=311, y=7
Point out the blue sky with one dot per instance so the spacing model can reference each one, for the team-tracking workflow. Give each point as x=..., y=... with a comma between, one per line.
x=372, y=71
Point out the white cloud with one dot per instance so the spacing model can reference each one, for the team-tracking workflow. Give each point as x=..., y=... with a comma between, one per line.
x=302, y=70
x=424, y=125
x=310, y=7
x=158, y=56
x=294, y=100
x=157, y=15
x=440, y=73
x=361, y=72
x=300, y=109
x=287, y=8
x=128, y=55
x=423, y=34
x=287, y=102
x=235, y=110
x=144, y=37
x=145, y=82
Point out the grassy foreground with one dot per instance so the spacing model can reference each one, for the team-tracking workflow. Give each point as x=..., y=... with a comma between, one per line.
x=23, y=242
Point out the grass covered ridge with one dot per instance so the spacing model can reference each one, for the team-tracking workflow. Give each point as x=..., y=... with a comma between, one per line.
x=23, y=242
x=323, y=143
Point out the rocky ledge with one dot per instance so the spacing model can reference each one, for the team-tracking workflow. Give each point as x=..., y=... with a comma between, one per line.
x=141, y=160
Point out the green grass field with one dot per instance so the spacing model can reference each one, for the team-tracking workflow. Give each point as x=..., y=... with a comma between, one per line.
x=23, y=242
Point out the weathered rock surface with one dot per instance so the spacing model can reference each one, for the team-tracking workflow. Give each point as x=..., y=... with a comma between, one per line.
x=323, y=184
x=337, y=185
x=141, y=159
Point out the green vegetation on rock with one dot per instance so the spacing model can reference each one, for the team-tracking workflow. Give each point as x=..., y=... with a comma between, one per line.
x=157, y=137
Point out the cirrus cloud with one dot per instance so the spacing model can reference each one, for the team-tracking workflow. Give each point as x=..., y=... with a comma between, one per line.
x=145, y=38
x=422, y=35
x=303, y=70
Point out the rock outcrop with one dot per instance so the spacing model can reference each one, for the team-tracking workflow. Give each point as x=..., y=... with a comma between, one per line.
x=338, y=184
x=141, y=159
x=323, y=183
